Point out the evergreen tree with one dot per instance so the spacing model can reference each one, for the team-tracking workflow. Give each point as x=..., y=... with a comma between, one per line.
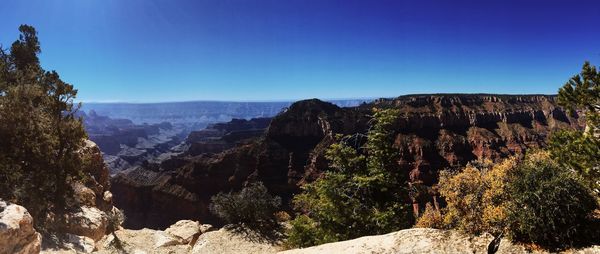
x=40, y=137
x=364, y=193
x=580, y=150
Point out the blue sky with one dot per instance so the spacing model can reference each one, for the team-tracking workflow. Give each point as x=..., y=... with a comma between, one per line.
x=170, y=50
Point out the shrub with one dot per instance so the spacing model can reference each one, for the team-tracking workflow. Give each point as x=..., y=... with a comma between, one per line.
x=253, y=206
x=476, y=197
x=550, y=206
x=304, y=233
x=431, y=218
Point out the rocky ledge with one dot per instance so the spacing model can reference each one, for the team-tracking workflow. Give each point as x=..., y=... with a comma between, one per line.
x=190, y=237
x=83, y=226
x=424, y=240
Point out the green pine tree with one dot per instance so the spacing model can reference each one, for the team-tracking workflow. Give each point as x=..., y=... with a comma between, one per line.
x=580, y=150
x=364, y=193
x=40, y=137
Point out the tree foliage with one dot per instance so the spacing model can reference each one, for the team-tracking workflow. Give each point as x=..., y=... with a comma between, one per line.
x=363, y=193
x=39, y=134
x=582, y=92
x=549, y=205
x=578, y=150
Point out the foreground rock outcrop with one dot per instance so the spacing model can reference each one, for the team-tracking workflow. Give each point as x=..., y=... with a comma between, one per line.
x=423, y=240
x=94, y=204
x=84, y=224
x=181, y=237
x=433, y=132
x=88, y=219
x=228, y=241
x=186, y=237
x=17, y=235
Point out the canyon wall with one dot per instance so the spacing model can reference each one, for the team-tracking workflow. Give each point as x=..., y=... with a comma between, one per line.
x=433, y=132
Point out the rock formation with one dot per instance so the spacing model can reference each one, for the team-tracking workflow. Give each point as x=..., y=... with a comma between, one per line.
x=84, y=224
x=17, y=235
x=218, y=137
x=434, y=132
x=178, y=238
x=225, y=240
x=88, y=219
x=423, y=240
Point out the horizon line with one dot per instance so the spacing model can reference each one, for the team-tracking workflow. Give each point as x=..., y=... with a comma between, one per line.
x=295, y=100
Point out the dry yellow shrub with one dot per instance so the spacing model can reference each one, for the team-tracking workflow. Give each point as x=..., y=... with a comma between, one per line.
x=476, y=197
x=431, y=218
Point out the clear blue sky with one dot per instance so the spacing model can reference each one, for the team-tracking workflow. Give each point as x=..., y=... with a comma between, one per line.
x=169, y=50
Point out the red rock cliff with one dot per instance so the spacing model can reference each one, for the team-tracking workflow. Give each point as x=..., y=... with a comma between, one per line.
x=433, y=132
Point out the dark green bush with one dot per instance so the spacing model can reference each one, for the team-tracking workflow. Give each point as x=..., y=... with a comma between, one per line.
x=549, y=205
x=305, y=233
x=253, y=207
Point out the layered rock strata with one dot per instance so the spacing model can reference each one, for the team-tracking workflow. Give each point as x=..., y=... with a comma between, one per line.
x=433, y=132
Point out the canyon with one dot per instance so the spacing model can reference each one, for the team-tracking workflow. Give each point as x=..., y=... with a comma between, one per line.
x=130, y=134
x=165, y=193
x=433, y=132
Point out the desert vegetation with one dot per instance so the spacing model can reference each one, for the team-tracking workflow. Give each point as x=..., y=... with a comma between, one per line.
x=40, y=137
x=250, y=208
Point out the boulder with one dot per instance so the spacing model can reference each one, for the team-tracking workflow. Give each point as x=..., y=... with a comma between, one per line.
x=225, y=241
x=92, y=198
x=162, y=239
x=185, y=230
x=97, y=180
x=89, y=221
x=84, y=195
x=17, y=234
x=141, y=241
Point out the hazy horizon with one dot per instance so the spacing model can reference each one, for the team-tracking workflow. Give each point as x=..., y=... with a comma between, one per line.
x=300, y=99
x=216, y=100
